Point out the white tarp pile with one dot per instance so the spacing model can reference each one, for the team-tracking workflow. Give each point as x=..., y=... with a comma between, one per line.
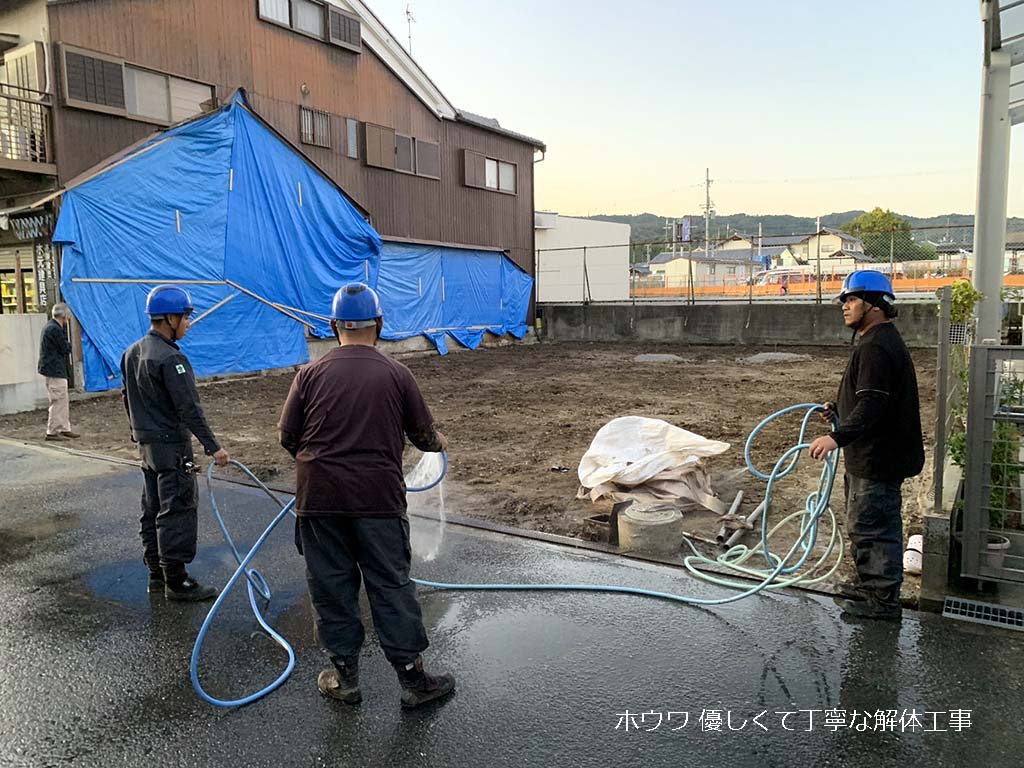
x=635, y=458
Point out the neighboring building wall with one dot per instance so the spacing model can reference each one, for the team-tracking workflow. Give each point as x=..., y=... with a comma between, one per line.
x=225, y=44
x=21, y=388
x=25, y=18
x=560, y=275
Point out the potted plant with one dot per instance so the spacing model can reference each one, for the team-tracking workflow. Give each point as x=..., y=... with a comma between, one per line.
x=964, y=298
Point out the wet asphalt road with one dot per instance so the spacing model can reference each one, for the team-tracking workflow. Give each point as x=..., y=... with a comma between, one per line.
x=94, y=672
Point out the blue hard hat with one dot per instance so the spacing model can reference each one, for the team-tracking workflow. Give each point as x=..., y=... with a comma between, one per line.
x=168, y=300
x=356, y=306
x=866, y=281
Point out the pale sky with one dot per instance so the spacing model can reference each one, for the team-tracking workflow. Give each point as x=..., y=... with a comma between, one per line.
x=802, y=107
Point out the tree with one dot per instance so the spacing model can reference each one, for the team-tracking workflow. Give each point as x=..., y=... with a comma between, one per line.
x=886, y=234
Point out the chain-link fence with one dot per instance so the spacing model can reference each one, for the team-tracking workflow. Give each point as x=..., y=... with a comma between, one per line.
x=808, y=266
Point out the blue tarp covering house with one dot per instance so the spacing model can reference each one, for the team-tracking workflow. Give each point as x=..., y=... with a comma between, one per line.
x=439, y=291
x=259, y=236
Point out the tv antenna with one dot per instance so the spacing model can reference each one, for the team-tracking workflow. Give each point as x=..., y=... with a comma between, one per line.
x=409, y=21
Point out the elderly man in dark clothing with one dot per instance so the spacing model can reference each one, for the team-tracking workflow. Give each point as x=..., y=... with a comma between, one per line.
x=55, y=365
x=345, y=422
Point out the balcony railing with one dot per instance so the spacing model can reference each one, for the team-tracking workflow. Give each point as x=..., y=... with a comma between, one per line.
x=26, y=129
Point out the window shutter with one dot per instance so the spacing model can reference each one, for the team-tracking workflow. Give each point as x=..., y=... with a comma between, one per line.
x=372, y=144
x=354, y=32
x=380, y=146
x=343, y=30
x=428, y=159
x=93, y=80
x=474, y=168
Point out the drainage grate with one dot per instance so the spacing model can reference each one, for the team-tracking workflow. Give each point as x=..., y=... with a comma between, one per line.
x=983, y=613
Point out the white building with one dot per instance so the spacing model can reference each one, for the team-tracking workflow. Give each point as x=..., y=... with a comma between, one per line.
x=581, y=259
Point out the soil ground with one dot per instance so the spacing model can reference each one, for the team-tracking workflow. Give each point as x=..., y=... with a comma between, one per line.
x=519, y=418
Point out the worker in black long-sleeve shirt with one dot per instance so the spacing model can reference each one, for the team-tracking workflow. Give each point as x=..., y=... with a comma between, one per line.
x=163, y=408
x=880, y=434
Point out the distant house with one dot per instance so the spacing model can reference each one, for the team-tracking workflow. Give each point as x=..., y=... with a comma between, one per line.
x=581, y=259
x=740, y=242
x=826, y=242
x=723, y=267
x=839, y=262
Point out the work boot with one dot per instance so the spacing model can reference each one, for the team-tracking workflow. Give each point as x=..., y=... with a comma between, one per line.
x=55, y=436
x=71, y=435
x=341, y=682
x=870, y=607
x=178, y=585
x=419, y=687
x=851, y=590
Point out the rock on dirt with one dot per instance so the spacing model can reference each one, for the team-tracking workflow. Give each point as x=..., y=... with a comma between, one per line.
x=765, y=358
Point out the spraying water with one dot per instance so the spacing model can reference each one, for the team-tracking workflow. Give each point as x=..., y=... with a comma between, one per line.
x=427, y=542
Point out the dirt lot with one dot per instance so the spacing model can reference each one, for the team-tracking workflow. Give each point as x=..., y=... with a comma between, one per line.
x=513, y=415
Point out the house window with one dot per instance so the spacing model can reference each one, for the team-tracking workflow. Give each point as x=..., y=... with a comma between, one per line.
x=352, y=137
x=731, y=271
x=275, y=10
x=711, y=269
x=187, y=98
x=380, y=146
x=315, y=127
x=428, y=159
x=507, y=177
x=93, y=80
x=308, y=17
x=344, y=29
x=147, y=94
x=489, y=173
x=106, y=84
x=403, y=154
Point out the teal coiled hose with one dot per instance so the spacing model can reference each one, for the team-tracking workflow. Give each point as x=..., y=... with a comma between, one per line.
x=735, y=559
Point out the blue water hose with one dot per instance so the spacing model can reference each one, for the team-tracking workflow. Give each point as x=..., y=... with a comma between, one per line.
x=815, y=507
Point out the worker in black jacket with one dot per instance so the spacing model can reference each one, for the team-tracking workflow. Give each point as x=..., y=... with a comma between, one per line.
x=54, y=351
x=880, y=433
x=163, y=408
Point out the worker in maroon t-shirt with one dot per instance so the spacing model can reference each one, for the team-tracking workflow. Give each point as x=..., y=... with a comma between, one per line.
x=345, y=422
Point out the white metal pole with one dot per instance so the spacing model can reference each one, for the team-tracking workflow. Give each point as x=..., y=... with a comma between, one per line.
x=990, y=207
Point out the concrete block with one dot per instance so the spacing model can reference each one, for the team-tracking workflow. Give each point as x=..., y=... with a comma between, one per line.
x=936, y=535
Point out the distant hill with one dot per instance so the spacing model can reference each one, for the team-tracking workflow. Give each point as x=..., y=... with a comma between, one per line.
x=650, y=228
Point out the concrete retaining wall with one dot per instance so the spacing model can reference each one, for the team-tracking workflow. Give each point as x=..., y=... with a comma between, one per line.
x=753, y=324
x=21, y=388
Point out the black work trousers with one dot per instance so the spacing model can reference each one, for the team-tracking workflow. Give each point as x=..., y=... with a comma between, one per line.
x=169, y=502
x=342, y=552
x=874, y=522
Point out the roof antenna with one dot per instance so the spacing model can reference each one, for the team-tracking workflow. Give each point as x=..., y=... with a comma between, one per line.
x=409, y=20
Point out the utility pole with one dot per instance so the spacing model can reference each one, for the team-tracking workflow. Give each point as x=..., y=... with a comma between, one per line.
x=707, y=213
x=817, y=238
x=409, y=21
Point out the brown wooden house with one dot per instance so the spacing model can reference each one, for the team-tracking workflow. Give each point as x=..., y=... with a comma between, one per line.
x=83, y=79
